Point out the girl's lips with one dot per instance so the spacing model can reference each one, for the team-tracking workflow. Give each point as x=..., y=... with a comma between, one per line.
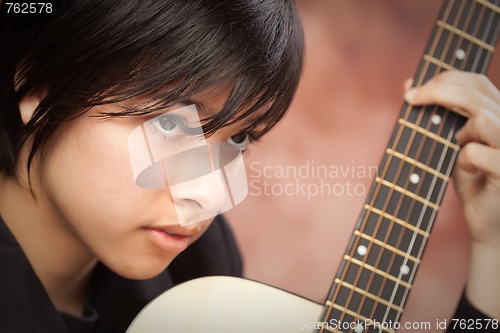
x=169, y=239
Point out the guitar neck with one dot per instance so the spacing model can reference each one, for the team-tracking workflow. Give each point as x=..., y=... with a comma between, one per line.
x=385, y=250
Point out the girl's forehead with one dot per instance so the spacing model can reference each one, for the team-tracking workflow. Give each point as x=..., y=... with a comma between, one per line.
x=211, y=101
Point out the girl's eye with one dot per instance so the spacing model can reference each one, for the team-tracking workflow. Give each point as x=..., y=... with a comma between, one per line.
x=240, y=140
x=169, y=125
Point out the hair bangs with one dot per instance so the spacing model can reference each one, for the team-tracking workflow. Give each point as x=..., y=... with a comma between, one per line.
x=158, y=53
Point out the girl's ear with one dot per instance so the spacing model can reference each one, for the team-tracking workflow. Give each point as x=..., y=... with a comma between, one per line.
x=28, y=105
x=29, y=102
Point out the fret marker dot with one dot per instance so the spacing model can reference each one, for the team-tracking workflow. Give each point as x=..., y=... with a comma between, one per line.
x=404, y=269
x=362, y=250
x=358, y=328
x=414, y=178
x=460, y=54
x=436, y=119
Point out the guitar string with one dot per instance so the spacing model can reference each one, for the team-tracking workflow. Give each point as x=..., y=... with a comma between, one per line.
x=430, y=112
x=413, y=238
x=488, y=28
x=361, y=267
x=409, y=213
x=404, y=229
x=462, y=66
x=470, y=47
x=417, y=192
x=474, y=69
x=495, y=36
x=412, y=168
x=367, y=214
x=475, y=32
x=491, y=18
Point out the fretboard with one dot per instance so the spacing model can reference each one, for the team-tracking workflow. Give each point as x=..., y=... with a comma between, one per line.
x=384, y=253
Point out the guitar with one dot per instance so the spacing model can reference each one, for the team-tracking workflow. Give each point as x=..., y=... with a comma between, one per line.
x=378, y=268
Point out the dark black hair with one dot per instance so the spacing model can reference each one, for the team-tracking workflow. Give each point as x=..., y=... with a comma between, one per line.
x=99, y=52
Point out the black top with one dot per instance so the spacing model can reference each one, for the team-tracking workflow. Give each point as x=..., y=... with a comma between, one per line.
x=113, y=301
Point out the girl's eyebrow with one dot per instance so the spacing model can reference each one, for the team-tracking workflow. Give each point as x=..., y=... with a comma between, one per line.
x=208, y=111
x=200, y=106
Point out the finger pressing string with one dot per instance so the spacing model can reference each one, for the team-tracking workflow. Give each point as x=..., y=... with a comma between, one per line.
x=471, y=80
x=407, y=84
x=452, y=96
x=483, y=128
x=477, y=157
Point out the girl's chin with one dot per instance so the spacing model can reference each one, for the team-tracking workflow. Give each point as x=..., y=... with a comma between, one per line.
x=143, y=270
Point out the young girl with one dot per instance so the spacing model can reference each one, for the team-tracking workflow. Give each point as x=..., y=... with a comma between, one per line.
x=121, y=126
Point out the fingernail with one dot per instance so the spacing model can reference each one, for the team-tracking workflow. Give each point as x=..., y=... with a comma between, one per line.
x=410, y=94
x=407, y=84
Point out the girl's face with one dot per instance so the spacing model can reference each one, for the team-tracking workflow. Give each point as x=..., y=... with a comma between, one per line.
x=88, y=184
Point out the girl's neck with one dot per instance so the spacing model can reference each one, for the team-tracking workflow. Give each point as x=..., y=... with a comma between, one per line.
x=62, y=262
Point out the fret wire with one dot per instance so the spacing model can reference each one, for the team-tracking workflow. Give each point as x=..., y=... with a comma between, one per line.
x=370, y=244
x=376, y=270
x=397, y=220
x=364, y=222
x=394, y=291
x=487, y=60
x=456, y=23
x=438, y=35
x=434, y=212
x=418, y=80
x=368, y=294
x=381, y=215
x=460, y=112
x=344, y=309
x=413, y=238
x=466, y=36
x=407, y=193
x=382, y=287
x=488, y=34
x=370, y=298
x=454, y=152
x=378, y=223
x=428, y=134
x=476, y=59
x=476, y=13
x=417, y=164
x=421, y=145
x=353, y=314
x=434, y=45
x=488, y=27
x=422, y=213
x=472, y=16
x=489, y=5
x=476, y=33
x=386, y=246
x=438, y=62
x=385, y=169
x=416, y=175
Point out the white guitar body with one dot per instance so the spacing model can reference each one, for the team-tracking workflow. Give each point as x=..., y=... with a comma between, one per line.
x=226, y=305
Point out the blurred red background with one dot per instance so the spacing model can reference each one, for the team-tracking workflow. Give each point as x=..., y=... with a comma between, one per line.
x=358, y=53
